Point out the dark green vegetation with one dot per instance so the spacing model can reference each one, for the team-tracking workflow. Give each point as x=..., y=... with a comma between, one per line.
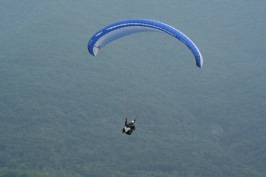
x=62, y=110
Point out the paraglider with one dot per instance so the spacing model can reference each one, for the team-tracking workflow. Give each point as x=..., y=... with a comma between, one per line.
x=122, y=28
x=126, y=27
x=129, y=127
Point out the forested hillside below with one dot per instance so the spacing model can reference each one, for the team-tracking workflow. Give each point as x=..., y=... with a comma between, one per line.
x=62, y=110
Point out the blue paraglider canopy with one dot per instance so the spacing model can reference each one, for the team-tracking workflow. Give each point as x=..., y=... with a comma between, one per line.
x=125, y=27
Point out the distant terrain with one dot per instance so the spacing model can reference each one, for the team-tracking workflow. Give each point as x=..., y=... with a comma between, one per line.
x=62, y=110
